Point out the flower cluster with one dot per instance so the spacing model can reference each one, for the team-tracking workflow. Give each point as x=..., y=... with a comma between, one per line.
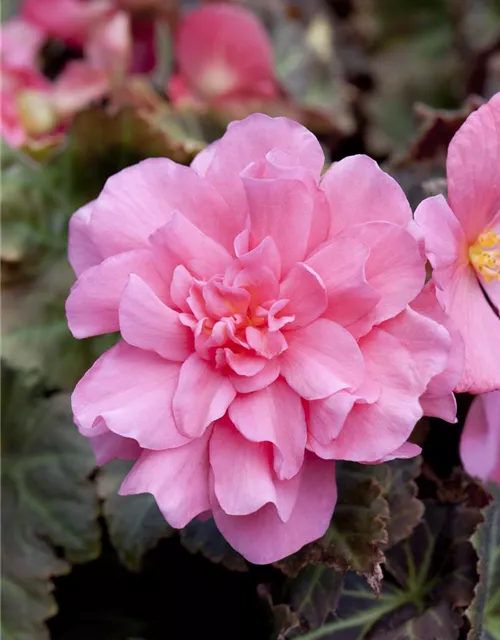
x=273, y=320
x=222, y=55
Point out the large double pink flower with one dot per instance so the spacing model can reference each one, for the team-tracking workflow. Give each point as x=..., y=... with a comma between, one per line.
x=272, y=321
x=462, y=239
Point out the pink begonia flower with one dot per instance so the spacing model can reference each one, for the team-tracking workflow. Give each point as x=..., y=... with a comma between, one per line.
x=33, y=108
x=109, y=37
x=480, y=443
x=462, y=239
x=20, y=43
x=272, y=321
x=23, y=107
x=223, y=54
x=68, y=20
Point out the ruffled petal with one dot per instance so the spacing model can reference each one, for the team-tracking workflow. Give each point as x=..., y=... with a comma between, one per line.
x=306, y=295
x=358, y=191
x=274, y=415
x=202, y=396
x=321, y=359
x=147, y=323
x=92, y=305
x=177, y=478
x=140, y=199
x=243, y=476
x=129, y=392
x=262, y=537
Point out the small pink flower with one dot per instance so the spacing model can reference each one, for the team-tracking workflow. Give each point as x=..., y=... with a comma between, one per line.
x=20, y=43
x=480, y=443
x=34, y=109
x=100, y=28
x=223, y=55
x=25, y=108
x=68, y=20
x=462, y=238
x=272, y=322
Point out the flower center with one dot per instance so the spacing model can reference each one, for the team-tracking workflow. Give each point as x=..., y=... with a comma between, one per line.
x=484, y=255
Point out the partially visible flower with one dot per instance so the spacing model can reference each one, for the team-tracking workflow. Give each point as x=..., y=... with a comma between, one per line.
x=480, y=443
x=68, y=20
x=109, y=36
x=223, y=54
x=271, y=324
x=462, y=239
x=25, y=109
x=20, y=43
x=34, y=109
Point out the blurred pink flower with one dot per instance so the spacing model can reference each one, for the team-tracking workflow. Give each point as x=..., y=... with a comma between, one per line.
x=33, y=108
x=108, y=35
x=271, y=324
x=462, y=238
x=20, y=43
x=223, y=54
x=23, y=100
x=480, y=443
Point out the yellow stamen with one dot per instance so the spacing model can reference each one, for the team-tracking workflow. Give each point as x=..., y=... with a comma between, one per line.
x=36, y=112
x=484, y=255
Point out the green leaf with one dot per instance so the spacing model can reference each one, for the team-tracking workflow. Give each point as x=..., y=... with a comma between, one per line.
x=202, y=536
x=397, y=479
x=315, y=593
x=428, y=582
x=48, y=499
x=484, y=613
x=135, y=523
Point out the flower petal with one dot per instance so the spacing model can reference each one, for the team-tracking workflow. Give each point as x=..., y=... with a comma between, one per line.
x=147, y=323
x=321, y=359
x=202, y=396
x=179, y=241
x=130, y=392
x=466, y=304
x=92, y=305
x=177, y=478
x=110, y=446
x=275, y=415
x=480, y=442
x=306, y=295
x=249, y=140
x=445, y=243
x=82, y=252
x=243, y=477
x=401, y=355
x=140, y=199
x=262, y=537
x=472, y=170
x=395, y=268
x=282, y=209
x=341, y=264
x=359, y=191
x=260, y=380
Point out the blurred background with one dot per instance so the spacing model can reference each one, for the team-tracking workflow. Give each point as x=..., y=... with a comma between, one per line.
x=90, y=87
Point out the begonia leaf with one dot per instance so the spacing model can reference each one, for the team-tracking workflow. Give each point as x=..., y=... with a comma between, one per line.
x=48, y=501
x=135, y=524
x=202, y=536
x=484, y=612
x=428, y=582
